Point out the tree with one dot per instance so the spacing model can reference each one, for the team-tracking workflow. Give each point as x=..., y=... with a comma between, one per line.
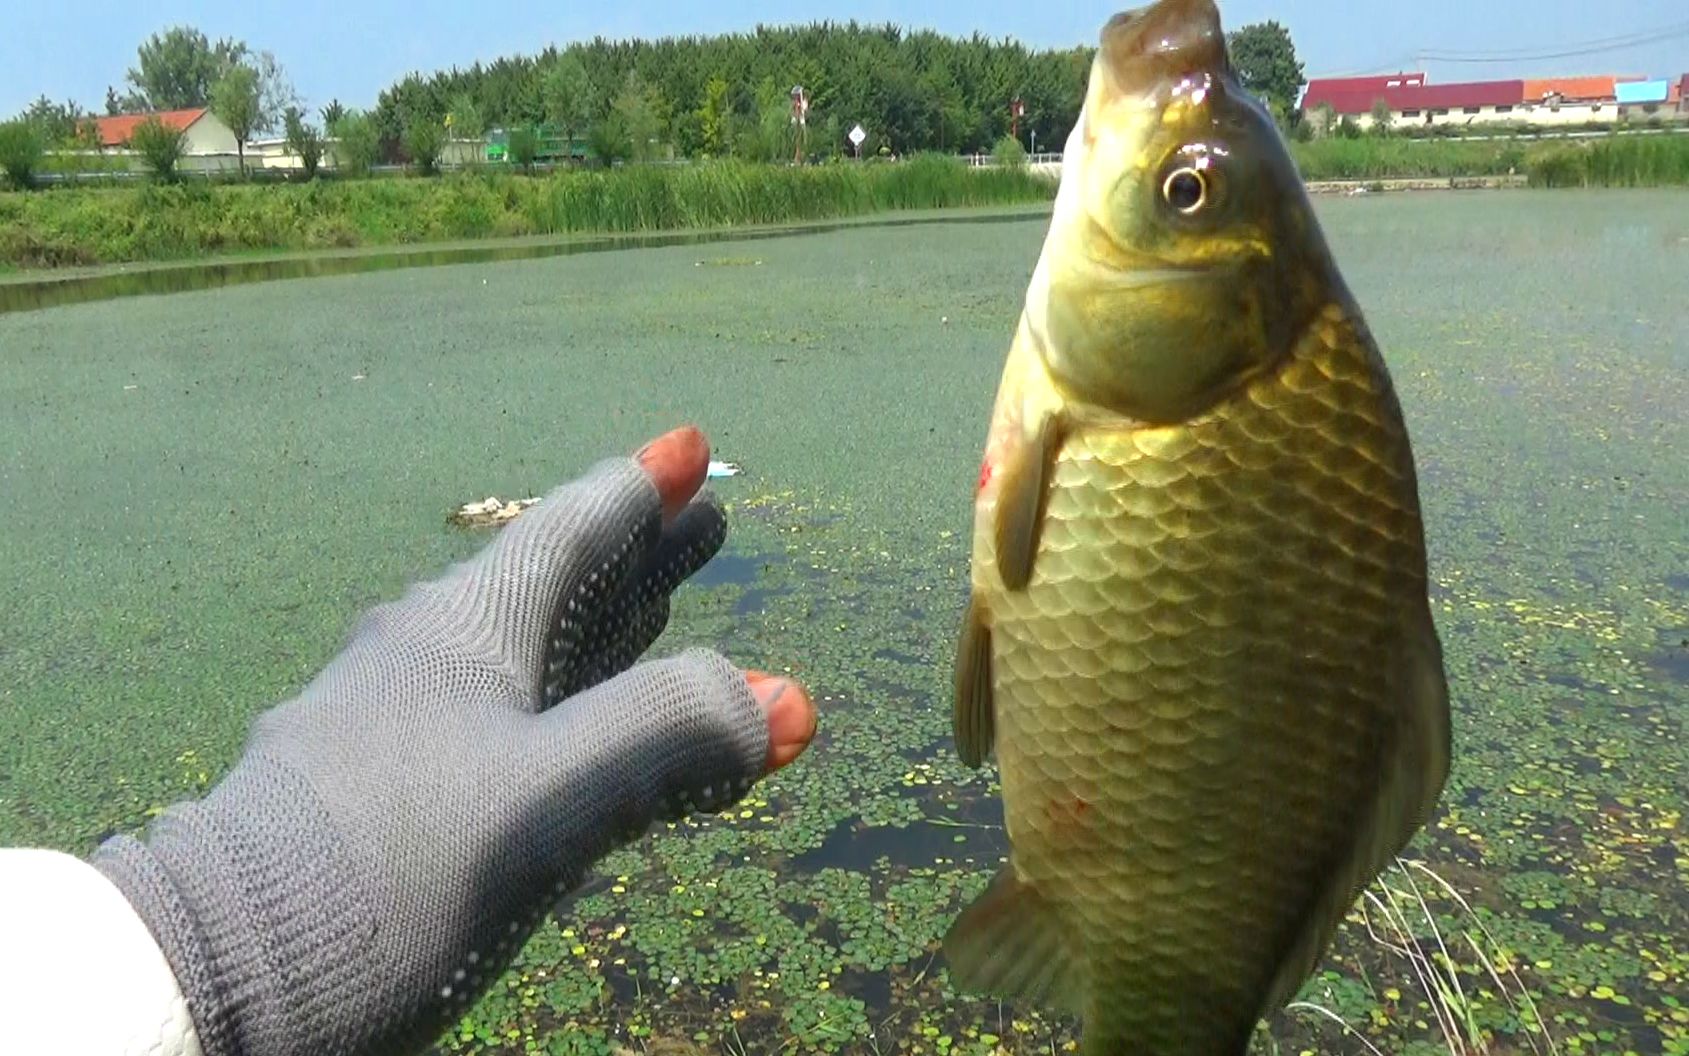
x=56, y=122
x=567, y=96
x=275, y=92
x=161, y=148
x=304, y=141
x=1325, y=116
x=714, y=118
x=356, y=142
x=464, y=118
x=235, y=101
x=1382, y=117
x=177, y=69
x=1265, y=59
x=22, y=147
x=332, y=113
x=524, y=146
x=639, y=107
x=424, y=139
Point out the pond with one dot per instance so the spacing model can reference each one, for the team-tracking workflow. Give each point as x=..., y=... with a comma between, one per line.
x=202, y=491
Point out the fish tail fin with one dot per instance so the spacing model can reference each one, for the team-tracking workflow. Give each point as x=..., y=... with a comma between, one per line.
x=1012, y=943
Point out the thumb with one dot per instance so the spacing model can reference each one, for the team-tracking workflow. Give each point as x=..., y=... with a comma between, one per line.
x=658, y=741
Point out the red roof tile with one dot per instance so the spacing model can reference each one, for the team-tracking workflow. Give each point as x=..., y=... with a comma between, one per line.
x=115, y=131
x=1571, y=89
x=1421, y=97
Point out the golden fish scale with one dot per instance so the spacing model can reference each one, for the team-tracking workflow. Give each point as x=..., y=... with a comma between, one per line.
x=1193, y=691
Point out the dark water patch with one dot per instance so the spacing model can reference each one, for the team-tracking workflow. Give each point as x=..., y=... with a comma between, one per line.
x=755, y=602
x=738, y=570
x=1671, y=659
x=33, y=295
x=895, y=656
x=1678, y=581
x=854, y=845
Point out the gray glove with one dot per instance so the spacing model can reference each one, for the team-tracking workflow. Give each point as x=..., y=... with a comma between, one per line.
x=393, y=834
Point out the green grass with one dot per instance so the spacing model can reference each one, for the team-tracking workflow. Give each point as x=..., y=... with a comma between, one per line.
x=1372, y=158
x=217, y=499
x=1617, y=161
x=1632, y=161
x=110, y=225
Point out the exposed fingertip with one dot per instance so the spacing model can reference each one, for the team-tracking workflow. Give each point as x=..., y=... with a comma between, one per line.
x=790, y=713
x=678, y=462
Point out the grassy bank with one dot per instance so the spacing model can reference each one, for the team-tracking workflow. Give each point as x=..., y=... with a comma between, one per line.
x=1618, y=161
x=1633, y=161
x=109, y=225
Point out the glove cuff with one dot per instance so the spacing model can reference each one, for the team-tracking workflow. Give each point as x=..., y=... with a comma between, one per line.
x=262, y=923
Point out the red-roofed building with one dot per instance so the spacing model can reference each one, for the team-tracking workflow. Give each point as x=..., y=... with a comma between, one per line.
x=1683, y=95
x=201, y=130
x=1417, y=102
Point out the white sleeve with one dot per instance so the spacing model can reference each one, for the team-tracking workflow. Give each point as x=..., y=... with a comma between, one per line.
x=80, y=974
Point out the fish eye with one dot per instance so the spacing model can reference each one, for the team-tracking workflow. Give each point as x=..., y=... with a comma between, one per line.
x=1186, y=190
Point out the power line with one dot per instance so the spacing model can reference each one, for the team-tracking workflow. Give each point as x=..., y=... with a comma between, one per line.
x=1632, y=42
x=1619, y=40
x=1593, y=46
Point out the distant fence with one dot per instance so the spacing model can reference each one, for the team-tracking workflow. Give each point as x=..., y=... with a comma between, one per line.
x=980, y=161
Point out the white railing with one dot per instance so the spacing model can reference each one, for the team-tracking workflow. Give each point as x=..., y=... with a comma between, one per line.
x=980, y=161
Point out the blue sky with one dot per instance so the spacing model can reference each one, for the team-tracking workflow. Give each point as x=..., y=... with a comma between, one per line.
x=351, y=49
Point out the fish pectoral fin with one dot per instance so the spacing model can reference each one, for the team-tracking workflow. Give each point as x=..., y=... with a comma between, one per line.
x=1011, y=943
x=1413, y=769
x=1021, y=499
x=973, y=718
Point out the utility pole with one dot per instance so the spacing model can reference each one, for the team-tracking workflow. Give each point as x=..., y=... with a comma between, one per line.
x=800, y=118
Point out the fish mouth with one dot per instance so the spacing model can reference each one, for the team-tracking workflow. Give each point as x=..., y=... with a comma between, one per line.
x=1148, y=46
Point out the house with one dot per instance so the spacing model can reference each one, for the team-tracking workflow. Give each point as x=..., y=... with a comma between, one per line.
x=203, y=133
x=1412, y=101
x=1571, y=100
x=1643, y=98
x=1683, y=95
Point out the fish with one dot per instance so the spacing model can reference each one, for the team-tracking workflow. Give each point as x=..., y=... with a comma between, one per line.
x=1198, y=637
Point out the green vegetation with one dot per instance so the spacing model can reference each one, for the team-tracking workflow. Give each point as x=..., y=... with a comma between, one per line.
x=424, y=139
x=805, y=921
x=1009, y=153
x=234, y=99
x=124, y=224
x=305, y=141
x=1622, y=161
x=161, y=149
x=22, y=149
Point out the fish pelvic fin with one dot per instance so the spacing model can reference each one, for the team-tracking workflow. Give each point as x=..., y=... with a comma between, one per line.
x=1012, y=943
x=1414, y=765
x=974, y=716
x=1022, y=498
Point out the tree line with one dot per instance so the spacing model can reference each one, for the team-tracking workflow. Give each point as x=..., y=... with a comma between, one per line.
x=696, y=96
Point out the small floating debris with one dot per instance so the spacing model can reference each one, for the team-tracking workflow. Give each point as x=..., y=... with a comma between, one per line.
x=490, y=512
x=723, y=469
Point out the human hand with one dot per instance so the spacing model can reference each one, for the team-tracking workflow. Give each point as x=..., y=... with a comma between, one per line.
x=394, y=833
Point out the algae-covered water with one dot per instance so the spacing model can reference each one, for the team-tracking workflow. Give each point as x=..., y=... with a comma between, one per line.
x=199, y=493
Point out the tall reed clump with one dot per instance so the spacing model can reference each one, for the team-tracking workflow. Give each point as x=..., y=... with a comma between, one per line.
x=1375, y=159
x=1621, y=161
x=158, y=222
x=727, y=193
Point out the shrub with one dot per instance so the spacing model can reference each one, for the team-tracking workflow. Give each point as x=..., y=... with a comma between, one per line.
x=1008, y=152
x=161, y=148
x=21, y=149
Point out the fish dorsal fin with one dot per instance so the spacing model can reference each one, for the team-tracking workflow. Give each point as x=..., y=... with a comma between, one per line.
x=974, y=719
x=1414, y=766
x=1011, y=943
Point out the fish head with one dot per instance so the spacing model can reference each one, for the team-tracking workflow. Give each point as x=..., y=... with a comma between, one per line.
x=1183, y=255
